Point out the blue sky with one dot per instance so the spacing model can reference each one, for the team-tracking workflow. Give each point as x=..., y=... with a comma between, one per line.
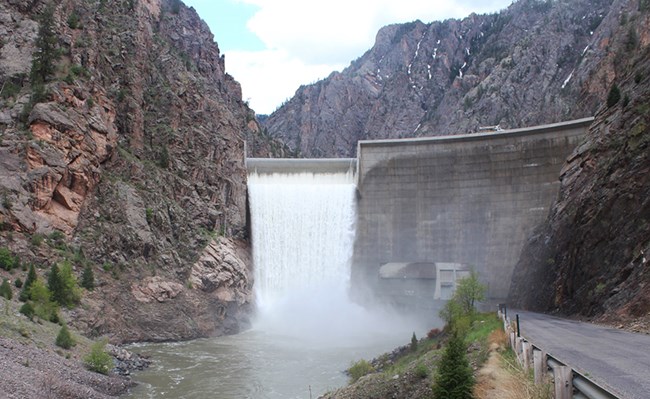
x=274, y=46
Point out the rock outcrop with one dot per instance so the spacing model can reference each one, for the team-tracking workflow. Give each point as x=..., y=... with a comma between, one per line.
x=590, y=258
x=535, y=62
x=133, y=149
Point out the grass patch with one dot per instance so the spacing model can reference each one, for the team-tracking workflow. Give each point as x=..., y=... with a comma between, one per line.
x=482, y=325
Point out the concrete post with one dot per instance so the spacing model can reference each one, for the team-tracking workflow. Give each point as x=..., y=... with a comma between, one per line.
x=520, y=350
x=539, y=366
x=528, y=354
x=563, y=384
x=512, y=341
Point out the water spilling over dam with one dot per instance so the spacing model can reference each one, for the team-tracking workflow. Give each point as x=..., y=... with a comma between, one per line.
x=303, y=235
x=303, y=217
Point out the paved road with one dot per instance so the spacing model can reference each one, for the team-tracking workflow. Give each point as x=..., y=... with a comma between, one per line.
x=613, y=358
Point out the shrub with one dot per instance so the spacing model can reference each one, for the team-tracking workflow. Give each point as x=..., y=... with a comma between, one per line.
x=359, y=369
x=614, y=96
x=454, y=379
x=42, y=301
x=28, y=310
x=37, y=240
x=6, y=260
x=64, y=339
x=5, y=290
x=73, y=20
x=18, y=283
x=434, y=332
x=98, y=360
x=149, y=215
x=421, y=371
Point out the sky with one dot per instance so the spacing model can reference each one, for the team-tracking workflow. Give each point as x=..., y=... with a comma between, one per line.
x=272, y=47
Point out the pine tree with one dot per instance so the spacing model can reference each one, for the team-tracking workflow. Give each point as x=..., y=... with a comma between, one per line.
x=46, y=49
x=5, y=289
x=88, y=278
x=64, y=339
x=414, y=343
x=454, y=378
x=31, y=277
x=55, y=285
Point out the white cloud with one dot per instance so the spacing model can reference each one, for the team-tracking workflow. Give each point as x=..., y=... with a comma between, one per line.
x=307, y=40
x=270, y=77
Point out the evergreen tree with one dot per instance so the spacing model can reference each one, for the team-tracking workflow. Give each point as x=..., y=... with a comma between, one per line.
x=5, y=289
x=55, y=285
x=88, y=278
x=71, y=290
x=31, y=277
x=46, y=49
x=414, y=343
x=454, y=378
x=63, y=285
x=64, y=339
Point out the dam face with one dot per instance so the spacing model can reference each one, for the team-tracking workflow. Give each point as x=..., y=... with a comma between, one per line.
x=430, y=209
x=471, y=200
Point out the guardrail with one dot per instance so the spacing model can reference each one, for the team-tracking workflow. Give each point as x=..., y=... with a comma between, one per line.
x=567, y=382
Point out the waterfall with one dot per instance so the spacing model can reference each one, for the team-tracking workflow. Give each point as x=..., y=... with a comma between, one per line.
x=303, y=227
x=303, y=234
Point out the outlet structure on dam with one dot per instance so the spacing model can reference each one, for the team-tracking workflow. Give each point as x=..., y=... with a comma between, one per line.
x=440, y=206
x=470, y=199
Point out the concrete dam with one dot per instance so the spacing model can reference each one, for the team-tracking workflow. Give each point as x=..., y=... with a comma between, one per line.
x=428, y=210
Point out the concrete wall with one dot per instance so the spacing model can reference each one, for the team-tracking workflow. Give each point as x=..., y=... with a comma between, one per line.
x=470, y=199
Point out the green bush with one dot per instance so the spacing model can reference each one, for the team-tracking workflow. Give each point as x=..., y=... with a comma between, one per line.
x=37, y=240
x=5, y=290
x=64, y=339
x=41, y=298
x=9, y=90
x=6, y=259
x=73, y=20
x=421, y=371
x=614, y=96
x=359, y=369
x=98, y=360
x=18, y=283
x=28, y=310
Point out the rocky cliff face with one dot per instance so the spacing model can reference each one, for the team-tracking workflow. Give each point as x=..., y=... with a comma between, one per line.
x=134, y=150
x=533, y=63
x=590, y=257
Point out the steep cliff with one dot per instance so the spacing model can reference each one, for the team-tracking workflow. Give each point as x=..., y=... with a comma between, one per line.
x=133, y=148
x=535, y=62
x=590, y=258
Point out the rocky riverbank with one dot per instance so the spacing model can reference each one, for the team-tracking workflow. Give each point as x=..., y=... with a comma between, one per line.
x=31, y=372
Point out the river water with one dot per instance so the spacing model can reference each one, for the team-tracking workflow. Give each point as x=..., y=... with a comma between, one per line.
x=252, y=365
